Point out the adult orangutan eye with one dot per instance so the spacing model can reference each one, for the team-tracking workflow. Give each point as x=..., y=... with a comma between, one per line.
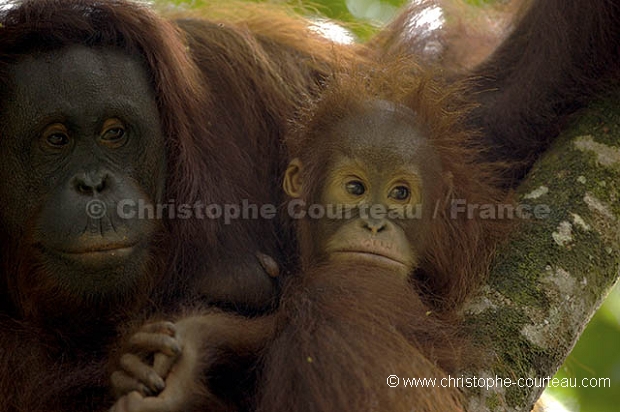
x=400, y=193
x=56, y=136
x=113, y=133
x=58, y=139
x=356, y=188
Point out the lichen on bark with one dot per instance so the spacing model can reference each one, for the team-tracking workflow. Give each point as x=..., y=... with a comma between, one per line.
x=549, y=279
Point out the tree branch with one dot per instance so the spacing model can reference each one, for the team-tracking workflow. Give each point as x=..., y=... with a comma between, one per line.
x=548, y=281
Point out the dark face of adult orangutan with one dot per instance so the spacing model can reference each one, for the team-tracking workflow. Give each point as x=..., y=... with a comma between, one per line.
x=83, y=134
x=379, y=165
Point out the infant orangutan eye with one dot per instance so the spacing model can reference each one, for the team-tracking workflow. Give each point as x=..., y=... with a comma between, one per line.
x=356, y=188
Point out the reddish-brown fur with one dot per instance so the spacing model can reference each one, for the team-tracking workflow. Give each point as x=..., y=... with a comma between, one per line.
x=244, y=91
x=325, y=356
x=468, y=33
x=340, y=324
x=448, y=274
x=344, y=327
x=54, y=361
x=559, y=54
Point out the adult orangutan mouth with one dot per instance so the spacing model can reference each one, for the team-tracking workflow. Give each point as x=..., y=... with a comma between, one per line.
x=98, y=253
x=372, y=256
x=104, y=250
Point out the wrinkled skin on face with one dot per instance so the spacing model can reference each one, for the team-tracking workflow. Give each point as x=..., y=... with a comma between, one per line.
x=80, y=135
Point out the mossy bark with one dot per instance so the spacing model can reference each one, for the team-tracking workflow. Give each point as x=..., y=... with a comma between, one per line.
x=550, y=278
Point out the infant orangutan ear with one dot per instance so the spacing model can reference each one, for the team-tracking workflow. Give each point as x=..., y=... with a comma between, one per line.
x=292, y=183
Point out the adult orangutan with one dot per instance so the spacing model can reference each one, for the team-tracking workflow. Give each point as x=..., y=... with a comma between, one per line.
x=113, y=144
x=121, y=77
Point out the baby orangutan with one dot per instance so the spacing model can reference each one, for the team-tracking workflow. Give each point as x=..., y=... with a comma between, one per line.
x=368, y=184
x=376, y=178
x=383, y=268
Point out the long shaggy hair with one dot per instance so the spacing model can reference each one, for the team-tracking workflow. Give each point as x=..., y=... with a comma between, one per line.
x=460, y=245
